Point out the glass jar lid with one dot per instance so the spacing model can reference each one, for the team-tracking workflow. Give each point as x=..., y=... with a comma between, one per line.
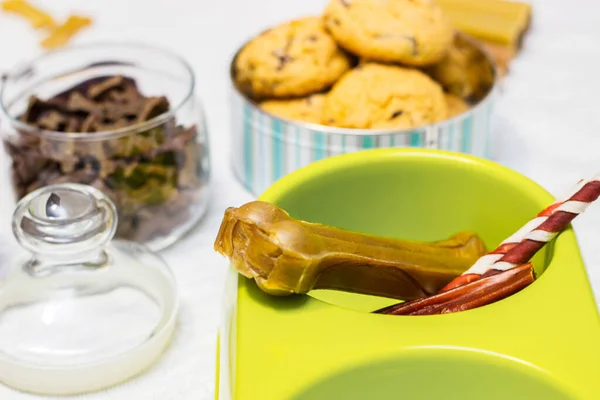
x=78, y=310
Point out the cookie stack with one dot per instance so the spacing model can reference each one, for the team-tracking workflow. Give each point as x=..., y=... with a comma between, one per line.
x=365, y=64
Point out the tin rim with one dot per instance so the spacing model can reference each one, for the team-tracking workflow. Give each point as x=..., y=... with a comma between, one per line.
x=370, y=132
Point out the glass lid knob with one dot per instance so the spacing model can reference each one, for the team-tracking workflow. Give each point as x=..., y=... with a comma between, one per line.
x=67, y=218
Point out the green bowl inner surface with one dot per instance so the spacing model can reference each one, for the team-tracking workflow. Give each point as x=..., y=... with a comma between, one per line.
x=430, y=374
x=412, y=194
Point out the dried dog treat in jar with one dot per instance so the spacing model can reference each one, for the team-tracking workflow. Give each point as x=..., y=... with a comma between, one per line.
x=147, y=154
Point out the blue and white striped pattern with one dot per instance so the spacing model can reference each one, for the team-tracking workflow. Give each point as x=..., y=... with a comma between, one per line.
x=267, y=148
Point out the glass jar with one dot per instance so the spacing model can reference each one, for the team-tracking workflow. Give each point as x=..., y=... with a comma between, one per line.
x=79, y=312
x=155, y=167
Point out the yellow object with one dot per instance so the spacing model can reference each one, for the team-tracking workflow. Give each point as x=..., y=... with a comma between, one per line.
x=498, y=21
x=62, y=34
x=35, y=16
x=456, y=105
x=58, y=35
x=502, y=54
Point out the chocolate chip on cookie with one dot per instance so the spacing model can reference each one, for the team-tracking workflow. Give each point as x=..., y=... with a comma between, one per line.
x=283, y=58
x=396, y=114
x=412, y=40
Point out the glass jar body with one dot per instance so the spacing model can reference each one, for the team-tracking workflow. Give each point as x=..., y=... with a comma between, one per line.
x=157, y=171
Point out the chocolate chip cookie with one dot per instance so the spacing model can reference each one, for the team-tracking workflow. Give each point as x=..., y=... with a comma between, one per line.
x=411, y=32
x=307, y=109
x=294, y=59
x=455, y=104
x=378, y=96
x=465, y=71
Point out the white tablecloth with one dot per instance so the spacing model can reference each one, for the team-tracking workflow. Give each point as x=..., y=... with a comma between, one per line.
x=547, y=127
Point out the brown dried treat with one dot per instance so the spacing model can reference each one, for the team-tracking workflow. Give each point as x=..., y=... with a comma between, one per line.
x=107, y=125
x=492, y=287
x=89, y=124
x=101, y=185
x=128, y=85
x=97, y=90
x=49, y=174
x=68, y=164
x=27, y=163
x=178, y=140
x=177, y=204
x=59, y=150
x=13, y=149
x=52, y=121
x=108, y=167
x=113, y=112
x=175, y=141
x=85, y=175
x=78, y=102
x=36, y=107
x=34, y=186
x=188, y=174
x=148, y=225
x=73, y=124
x=128, y=93
x=153, y=107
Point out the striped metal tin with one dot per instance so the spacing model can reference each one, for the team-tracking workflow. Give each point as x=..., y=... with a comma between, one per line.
x=266, y=147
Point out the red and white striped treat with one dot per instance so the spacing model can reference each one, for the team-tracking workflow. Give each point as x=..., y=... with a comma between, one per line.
x=523, y=244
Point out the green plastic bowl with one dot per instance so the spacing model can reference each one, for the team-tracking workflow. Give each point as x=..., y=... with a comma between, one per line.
x=541, y=343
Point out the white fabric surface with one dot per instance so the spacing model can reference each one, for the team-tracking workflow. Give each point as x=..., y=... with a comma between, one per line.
x=547, y=127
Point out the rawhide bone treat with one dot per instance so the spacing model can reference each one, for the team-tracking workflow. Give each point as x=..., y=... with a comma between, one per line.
x=505, y=270
x=150, y=172
x=287, y=256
